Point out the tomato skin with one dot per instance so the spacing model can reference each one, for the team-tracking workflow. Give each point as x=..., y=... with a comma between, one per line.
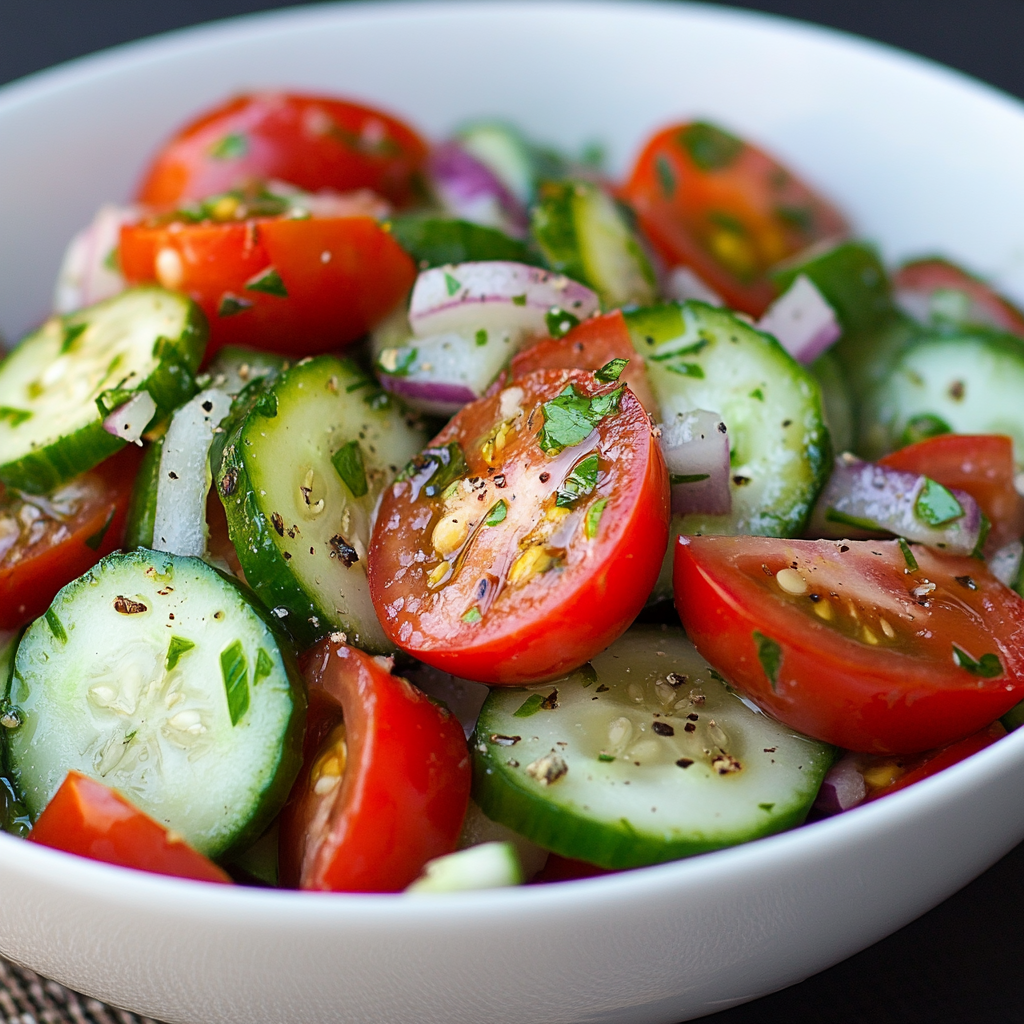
x=328, y=303
x=556, y=621
x=980, y=464
x=988, y=307
x=730, y=220
x=313, y=142
x=404, y=792
x=897, y=697
x=31, y=575
x=589, y=346
x=566, y=869
x=86, y=818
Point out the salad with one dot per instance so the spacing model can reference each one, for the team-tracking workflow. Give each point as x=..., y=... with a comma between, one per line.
x=387, y=515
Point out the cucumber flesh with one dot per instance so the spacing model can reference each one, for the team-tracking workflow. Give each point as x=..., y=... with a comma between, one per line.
x=487, y=866
x=59, y=384
x=511, y=157
x=648, y=758
x=300, y=530
x=439, y=241
x=234, y=368
x=158, y=676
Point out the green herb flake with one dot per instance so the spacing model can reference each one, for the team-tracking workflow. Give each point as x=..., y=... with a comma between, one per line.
x=800, y=218
x=581, y=481
x=451, y=284
x=519, y=300
x=570, y=418
x=935, y=505
x=678, y=353
x=767, y=808
x=481, y=338
x=94, y=540
x=56, y=626
x=234, y=667
x=232, y=146
x=559, y=322
x=611, y=371
x=434, y=470
x=266, y=404
x=348, y=463
x=231, y=305
x=72, y=332
x=472, y=616
x=988, y=666
x=497, y=513
x=605, y=757
x=758, y=394
x=586, y=674
x=530, y=706
x=269, y=282
x=178, y=646
x=908, y=555
x=769, y=653
x=834, y=515
x=710, y=148
x=687, y=478
x=14, y=416
x=687, y=370
x=593, y=519
x=666, y=176
x=983, y=532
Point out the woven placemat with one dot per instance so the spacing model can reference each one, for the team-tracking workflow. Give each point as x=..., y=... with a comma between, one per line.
x=28, y=998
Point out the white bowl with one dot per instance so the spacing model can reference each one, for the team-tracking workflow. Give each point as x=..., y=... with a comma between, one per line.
x=922, y=159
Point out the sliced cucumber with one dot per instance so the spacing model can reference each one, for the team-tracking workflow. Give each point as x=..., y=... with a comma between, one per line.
x=60, y=383
x=836, y=401
x=160, y=677
x=487, y=866
x=648, y=758
x=234, y=368
x=584, y=234
x=512, y=158
x=438, y=241
x=299, y=470
x=702, y=357
x=970, y=383
x=138, y=530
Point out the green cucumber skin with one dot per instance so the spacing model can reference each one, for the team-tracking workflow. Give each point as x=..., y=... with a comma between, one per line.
x=439, y=241
x=170, y=383
x=566, y=826
x=274, y=793
x=138, y=529
x=837, y=404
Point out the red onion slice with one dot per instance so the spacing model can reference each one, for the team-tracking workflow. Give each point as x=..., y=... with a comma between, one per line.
x=494, y=296
x=129, y=421
x=844, y=787
x=89, y=271
x=802, y=321
x=696, y=449
x=863, y=499
x=469, y=189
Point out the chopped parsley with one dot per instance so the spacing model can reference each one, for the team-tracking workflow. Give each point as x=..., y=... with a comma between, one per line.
x=611, y=371
x=348, y=463
x=269, y=282
x=434, y=470
x=451, y=284
x=710, y=148
x=497, y=513
x=234, y=668
x=570, y=418
x=593, y=520
x=988, y=666
x=581, y=480
x=232, y=146
x=178, y=646
x=935, y=505
x=769, y=653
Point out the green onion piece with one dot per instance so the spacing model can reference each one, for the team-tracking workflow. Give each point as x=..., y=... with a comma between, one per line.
x=234, y=668
x=497, y=513
x=56, y=626
x=178, y=646
x=481, y=338
x=908, y=555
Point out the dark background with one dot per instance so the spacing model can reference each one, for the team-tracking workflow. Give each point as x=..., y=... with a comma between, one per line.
x=962, y=963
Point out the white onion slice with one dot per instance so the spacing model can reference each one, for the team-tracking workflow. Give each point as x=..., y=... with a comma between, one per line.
x=683, y=284
x=802, y=321
x=469, y=189
x=494, y=296
x=183, y=480
x=844, y=787
x=88, y=272
x=129, y=421
x=1005, y=562
x=696, y=449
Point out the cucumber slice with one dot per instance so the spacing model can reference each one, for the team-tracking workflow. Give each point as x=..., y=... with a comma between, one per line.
x=970, y=383
x=836, y=401
x=487, y=866
x=438, y=241
x=234, y=368
x=512, y=158
x=299, y=469
x=647, y=758
x=160, y=677
x=138, y=530
x=584, y=234
x=702, y=357
x=60, y=383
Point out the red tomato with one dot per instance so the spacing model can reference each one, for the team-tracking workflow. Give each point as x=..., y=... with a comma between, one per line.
x=511, y=564
x=918, y=281
x=843, y=641
x=589, y=346
x=726, y=209
x=292, y=286
x=565, y=869
x=313, y=142
x=980, y=464
x=48, y=542
x=385, y=782
x=86, y=818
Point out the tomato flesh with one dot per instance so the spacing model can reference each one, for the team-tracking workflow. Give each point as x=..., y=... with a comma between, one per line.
x=313, y=142
x=506, y=577
x=385, y=781
x=980, y=464
x=845, y=642
x=726, y=209
x=86, y=818
x=295, y=286
x=47, y=543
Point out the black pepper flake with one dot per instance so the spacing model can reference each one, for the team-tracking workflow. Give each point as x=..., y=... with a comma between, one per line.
x=499, y=480
x=843, y=548
x=601, y=689
x=786, y=423
x=342, y=550
x=739, y=481
x=550, y=702
x=504, y=741
x=770, y=750
x=689, y=727
x=229, y=482
x=207, y=406
x=966, y=581
x=684, y=762
x=126, y=606
x=693, y=716
x=172, y=475
x=663, y=729
x=676, y=679
x=277, y=522
x=722, y=428
x=545, y=477
x=814, y=598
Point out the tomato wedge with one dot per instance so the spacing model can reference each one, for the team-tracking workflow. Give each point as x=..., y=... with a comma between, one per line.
x=726, y=209
x=937, y=285
x=385, y=782
x=313, y=142
x=528, y=536
x=48, y=542
x=89, y=819
x=589, y=346
x=295, y=286
x=980, y=464
x=871, y=645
